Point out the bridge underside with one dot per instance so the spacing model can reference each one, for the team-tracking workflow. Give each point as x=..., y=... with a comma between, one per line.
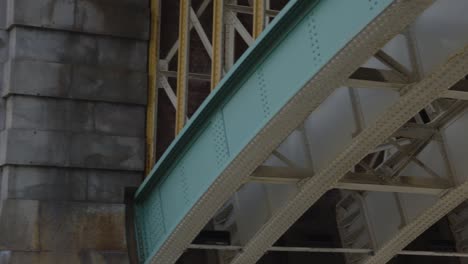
x=335, y=135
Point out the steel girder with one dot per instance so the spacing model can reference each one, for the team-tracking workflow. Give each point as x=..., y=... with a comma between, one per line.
x=260, y=101
x=417, y=96
x=416, y=227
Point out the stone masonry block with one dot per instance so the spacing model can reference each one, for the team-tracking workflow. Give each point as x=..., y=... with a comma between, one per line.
x=49, y=114
x=2, y=82
x=32, y=147
x=106, y=152
x=105, y=257
x=139, y=3
x=64, y=184
x=41, y=257
x=19, y=225
x=3, y=15
x=1, y=191
x=3, y=142
x=3, y=188
x=119, y=119
x=41, y=13
x=69, y=227
x=41, y=183
x=37, y=78
x=116, y=18
x=5, y=257
x=2, y=114
x=43, y=113
x=113, y=18
x=4, y=36
x=111, y=85
x=81, y=257
x=107, y=186
x=52, y=79
x=66, y=149
x=72, y=48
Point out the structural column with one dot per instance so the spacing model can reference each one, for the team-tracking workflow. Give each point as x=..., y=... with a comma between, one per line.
x=72, y=121
x=217, y=60
x=258, y=17
x=183, y=64
x=152, y=107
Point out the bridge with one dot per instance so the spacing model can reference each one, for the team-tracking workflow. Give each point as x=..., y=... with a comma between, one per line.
x=293, y=78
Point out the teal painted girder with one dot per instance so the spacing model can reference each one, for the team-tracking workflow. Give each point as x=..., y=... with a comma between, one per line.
x=302, y=39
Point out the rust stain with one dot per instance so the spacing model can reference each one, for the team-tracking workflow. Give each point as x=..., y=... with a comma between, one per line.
x=105, y=230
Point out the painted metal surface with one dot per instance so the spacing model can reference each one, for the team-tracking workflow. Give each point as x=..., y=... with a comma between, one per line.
x=417, y=97
x=416, y=227
x=152, y=106
x=455, y=69
x=183, y=64
x=178, y=196
x=217, y=39
x=258, y=17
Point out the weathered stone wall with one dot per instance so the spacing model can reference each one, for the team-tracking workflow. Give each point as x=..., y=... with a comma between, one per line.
x=73, y=85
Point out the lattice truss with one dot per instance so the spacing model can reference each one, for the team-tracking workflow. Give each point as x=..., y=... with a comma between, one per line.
x=389, y=139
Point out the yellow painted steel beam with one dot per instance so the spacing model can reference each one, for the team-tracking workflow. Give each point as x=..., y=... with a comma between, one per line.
x=217, y=39
x=183, y=64
x=152, y=104
x=258, y=17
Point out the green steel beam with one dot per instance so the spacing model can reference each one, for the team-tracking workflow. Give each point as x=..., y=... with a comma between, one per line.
x=309, y=50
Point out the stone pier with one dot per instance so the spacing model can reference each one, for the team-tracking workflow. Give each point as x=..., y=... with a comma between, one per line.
x=73, y=84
